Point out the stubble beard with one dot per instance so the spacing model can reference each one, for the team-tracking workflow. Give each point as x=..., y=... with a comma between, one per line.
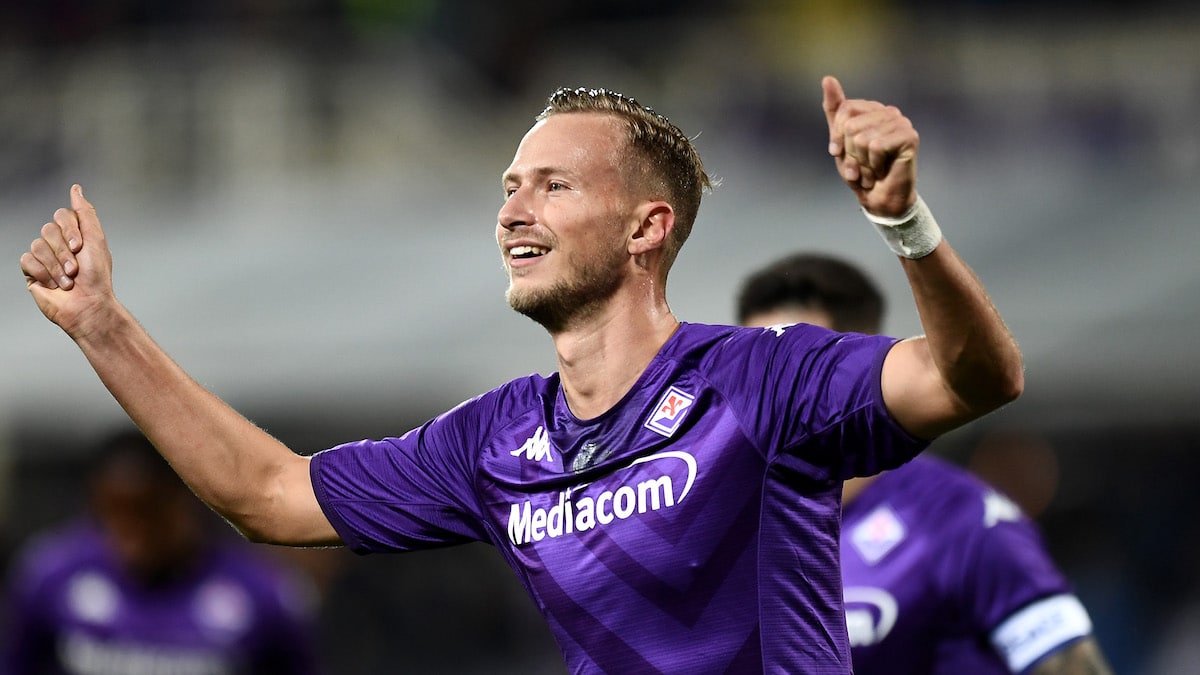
x=569, y=302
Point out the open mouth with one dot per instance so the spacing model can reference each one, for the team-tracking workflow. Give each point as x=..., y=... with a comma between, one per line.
x=526, y=252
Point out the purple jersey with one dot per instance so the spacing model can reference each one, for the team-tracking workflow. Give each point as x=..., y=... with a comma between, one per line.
x=693, y=527
x=72, y=610
x=945, y=575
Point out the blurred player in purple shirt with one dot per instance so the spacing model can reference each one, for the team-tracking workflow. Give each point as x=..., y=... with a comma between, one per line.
x=670, y=497
x=144, y=585
x=942, y=573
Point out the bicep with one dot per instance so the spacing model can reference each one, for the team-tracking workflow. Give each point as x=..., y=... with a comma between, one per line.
x=915, y=393
x=296, y=517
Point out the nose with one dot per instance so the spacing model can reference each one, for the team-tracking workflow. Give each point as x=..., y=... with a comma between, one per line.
x=515, y=212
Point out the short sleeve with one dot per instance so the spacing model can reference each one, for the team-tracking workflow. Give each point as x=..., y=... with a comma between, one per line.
x=406, y=493
x=815, y=394
x=1010, y=585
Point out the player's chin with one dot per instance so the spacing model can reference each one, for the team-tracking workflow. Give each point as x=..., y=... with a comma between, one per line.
x=527, y=298
x=521, y=292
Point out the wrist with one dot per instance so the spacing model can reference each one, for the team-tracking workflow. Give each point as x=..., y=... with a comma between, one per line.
x=912, y=235
x=104, y=323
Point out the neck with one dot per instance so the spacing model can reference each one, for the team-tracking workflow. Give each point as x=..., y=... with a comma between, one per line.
x=600, y=361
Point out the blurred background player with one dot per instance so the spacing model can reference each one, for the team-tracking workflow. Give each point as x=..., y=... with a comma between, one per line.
x=147, y=583
x=941, y=572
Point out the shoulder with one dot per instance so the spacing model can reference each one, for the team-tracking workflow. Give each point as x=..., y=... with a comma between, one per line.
x=799, y=344
x=935, y=488
x=717, y=348
x=482, y=416
x=952, y=483
x=524, y=391
x=694, y=337
x=517, y=394
x=693, y=341
x=452, y=439
x=982, y=529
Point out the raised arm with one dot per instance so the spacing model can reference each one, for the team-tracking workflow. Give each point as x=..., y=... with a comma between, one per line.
x=250, y=478
x=967, y=363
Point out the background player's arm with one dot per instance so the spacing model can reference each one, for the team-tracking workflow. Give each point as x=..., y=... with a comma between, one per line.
x=967, y=363
x=243, y=473
x=1082, y=657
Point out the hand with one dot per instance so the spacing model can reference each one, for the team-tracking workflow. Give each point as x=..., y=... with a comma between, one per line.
x=875, y=148
x=68, y=270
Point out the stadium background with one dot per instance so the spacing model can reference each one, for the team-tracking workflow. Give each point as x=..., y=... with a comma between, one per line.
x=301, y=196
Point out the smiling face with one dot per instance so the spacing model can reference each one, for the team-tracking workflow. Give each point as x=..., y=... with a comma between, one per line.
x=563, y=230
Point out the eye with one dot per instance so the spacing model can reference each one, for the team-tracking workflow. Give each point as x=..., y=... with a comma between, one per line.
x=555, y=186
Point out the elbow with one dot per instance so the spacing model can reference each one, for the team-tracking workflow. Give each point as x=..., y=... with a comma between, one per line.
x=1010, y=378
x=256, y=536
x=254, y=515
x=282, y=509
x=265, y=524
x=259, y=530
x=1002, y=387
x=1014, y=384
x=252, y=528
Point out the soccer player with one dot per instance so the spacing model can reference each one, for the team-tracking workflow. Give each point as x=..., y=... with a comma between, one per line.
x=670, y=497
x=144, y=584
x=941, y=572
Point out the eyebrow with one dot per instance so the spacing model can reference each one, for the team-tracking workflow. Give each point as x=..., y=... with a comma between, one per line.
x=539, y=173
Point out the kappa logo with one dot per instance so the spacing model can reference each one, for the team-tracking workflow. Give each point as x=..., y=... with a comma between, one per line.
x=670, y=411
x=997, y=508
x=778, y=328
x=536, y=447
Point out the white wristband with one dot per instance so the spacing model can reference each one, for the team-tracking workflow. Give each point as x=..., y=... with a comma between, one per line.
x=913, y=235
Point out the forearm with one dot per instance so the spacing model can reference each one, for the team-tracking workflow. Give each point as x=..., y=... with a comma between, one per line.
x=243, y=473
x=973, y=351
x=231, y=464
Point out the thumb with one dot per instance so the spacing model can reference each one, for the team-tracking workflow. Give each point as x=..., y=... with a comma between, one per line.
x=85, y=213
x=833, y=97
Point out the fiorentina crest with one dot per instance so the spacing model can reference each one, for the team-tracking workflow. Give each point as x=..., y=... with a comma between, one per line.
x=670, y=411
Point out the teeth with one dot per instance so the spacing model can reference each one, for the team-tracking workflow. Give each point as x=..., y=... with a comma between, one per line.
x=526, y=251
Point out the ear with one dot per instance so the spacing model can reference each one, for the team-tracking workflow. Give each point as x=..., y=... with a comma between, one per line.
x=655, y=222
